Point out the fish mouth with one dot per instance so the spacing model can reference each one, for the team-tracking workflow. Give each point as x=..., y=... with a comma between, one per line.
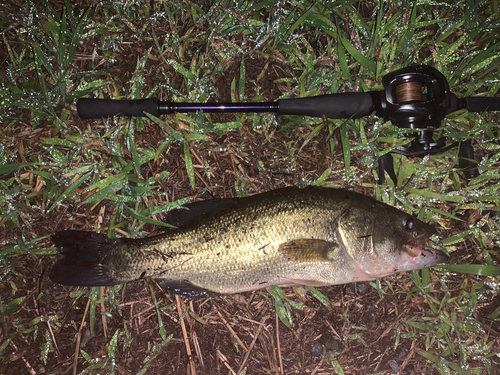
x=439, y=256
x=415, y=245
x=424, y=236
x=424, y=254
x=413, y=254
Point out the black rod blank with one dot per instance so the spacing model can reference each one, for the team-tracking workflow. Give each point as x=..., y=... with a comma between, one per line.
x=337, y=106
x=346, y=105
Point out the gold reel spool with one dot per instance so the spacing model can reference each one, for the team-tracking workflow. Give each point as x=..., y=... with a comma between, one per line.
x=409, y=92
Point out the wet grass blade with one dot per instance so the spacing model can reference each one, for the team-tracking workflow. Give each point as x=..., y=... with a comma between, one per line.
x=39, y=56
x=346, y=148
x=153, y=354
x=63, y=57
x=186, y=73
x=4, y=344
x=11, y=307
x=433, y=195
x=288, y=28
x=344, y=66
x=456, y=238
x=163, y=332
x=370, y=65
x=69, y=191
x=105, y=182
x=189, y=165
x=319, y=296
x=473, y=269
x=9, y=168
x=242, y=80
x=94, y=293
x=321, y=180
x=281, y=305
x=112, y=351
x=77, y=35
x=132, y=148
x=144, y=219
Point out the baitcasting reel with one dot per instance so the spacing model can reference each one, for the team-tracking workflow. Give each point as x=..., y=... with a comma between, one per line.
x=417, y=97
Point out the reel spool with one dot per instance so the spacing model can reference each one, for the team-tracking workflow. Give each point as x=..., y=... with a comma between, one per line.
x=409, y=92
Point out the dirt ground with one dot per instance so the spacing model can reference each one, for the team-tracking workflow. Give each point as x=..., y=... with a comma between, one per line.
x=361, y=330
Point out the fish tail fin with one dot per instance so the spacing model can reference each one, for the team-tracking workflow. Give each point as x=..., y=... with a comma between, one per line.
x=82, y=262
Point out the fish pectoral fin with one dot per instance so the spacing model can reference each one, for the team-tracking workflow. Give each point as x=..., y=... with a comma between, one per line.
x=309, y=250
x=186, y=289
x=288, y=282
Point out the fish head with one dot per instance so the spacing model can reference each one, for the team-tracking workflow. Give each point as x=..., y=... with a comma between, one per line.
x=383, y=240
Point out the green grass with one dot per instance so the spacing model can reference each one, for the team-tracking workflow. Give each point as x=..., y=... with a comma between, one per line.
x=58, y=171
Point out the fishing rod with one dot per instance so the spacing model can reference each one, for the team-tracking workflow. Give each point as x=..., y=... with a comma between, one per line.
x=417, y=97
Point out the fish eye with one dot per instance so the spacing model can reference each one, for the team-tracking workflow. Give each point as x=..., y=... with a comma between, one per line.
x=409, y=223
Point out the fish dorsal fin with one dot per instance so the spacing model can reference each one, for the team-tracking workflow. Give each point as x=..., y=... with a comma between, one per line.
x=309, y=250
x=187, y=214
x=186, y=289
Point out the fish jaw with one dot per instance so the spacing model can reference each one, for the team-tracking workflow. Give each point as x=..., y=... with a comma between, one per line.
x=426, y=257
x=412, y=256
x=415, y=255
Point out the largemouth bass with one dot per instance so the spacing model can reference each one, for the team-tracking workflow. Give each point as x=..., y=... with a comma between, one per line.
x=287, y=237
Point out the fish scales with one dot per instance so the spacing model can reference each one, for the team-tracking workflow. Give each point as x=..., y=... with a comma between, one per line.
x=256, y=229
x=291, y=236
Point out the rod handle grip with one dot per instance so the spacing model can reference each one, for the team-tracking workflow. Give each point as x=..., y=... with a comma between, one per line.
x=338, y=106
x=482, y=104
x=98, y=108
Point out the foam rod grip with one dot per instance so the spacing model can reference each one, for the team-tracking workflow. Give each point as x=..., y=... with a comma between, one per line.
x=481, y=104
x=98, y=108
x=344, y=105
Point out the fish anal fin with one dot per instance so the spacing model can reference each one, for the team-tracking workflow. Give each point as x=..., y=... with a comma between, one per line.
x=186, y=289
x=309, y=250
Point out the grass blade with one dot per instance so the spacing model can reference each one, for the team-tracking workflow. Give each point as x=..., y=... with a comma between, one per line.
x=144, y=219
x=92, y=309
x=319, y=296
x=346, y=148
x=433, y=195
x=473, y=269
x=370, y=65
x=189, y=165
x=163, y=332
x=69, y=191
x=9, y=168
